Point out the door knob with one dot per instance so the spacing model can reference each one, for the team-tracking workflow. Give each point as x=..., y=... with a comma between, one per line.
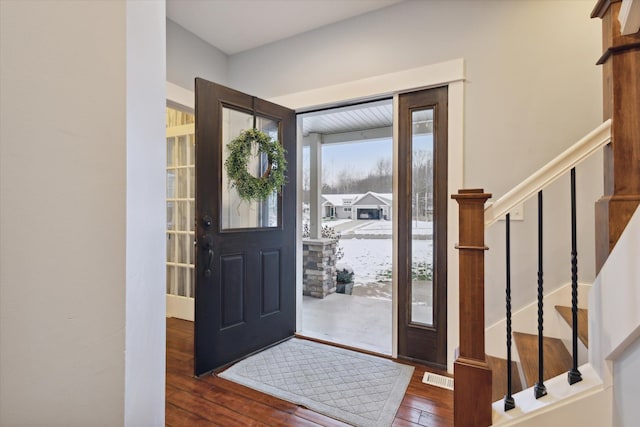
x=206, y=242
x=207, y=271
x=207, y=221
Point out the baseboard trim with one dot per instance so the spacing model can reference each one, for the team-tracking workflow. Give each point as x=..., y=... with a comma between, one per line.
x=584, y=403
x=180, y=307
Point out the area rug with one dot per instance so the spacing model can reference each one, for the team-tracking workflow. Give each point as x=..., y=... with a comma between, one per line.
x=356, y=388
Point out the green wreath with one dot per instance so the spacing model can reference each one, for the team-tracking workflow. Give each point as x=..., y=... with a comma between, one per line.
x=248, y=186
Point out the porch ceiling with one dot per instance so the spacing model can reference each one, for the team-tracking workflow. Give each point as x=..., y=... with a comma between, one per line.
x=353, y=118
x=370, y=120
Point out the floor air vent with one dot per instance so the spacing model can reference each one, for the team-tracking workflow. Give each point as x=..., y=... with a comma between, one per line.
x=438, y=380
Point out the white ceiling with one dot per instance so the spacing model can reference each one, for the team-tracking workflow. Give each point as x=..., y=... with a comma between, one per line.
x=237, y=25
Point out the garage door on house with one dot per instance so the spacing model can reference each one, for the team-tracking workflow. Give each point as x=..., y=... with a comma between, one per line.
x=369, y=213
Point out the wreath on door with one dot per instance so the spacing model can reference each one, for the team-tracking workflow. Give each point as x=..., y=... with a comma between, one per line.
x=250, y=187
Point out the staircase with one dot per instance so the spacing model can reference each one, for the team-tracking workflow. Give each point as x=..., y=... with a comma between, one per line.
x=530, y=360
x=596, y=392
x=557, y=358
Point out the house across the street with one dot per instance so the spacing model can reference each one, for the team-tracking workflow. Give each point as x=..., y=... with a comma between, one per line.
x=370, y=205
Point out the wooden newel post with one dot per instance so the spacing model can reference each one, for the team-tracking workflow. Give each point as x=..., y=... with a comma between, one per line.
x=472, y=391
x=621, y=96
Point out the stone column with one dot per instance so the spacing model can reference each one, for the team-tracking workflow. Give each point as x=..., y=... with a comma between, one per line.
x=319, y=267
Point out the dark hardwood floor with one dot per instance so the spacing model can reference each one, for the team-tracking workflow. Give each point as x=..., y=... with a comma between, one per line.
x=213, y=401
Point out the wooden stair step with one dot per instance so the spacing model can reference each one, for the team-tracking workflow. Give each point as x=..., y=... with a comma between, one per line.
x=583, y=321
x=557, y=359
x=499, y=377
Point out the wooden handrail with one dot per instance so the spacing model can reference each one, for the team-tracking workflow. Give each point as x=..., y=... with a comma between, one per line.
x=581, y=150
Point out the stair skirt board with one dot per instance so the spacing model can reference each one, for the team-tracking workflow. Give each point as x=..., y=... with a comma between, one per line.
x=560, y=393
x=524, y=320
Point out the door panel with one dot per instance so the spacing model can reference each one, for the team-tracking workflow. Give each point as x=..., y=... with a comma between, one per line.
x=422, y=225
x=245, y=260
x=232, y=290
x=270, y=290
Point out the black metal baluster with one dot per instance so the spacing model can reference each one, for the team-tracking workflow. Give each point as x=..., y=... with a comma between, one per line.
x=574, y=374
x=539, y=389
x=509, y=402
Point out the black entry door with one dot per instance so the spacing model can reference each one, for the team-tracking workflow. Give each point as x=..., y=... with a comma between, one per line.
x=245, y=263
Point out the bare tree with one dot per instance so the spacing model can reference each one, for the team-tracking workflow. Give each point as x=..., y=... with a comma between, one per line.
x=383, y=167
x=347, y=182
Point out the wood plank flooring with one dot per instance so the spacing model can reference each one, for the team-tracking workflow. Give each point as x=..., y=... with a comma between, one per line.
x=213, y=401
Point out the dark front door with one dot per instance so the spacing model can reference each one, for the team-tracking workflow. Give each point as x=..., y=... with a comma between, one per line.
x=422, y=225
x=245, y=263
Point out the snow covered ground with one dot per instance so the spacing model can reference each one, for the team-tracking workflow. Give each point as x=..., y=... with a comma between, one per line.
x=380, y=227
x=369, y=257
x=336, y=222
x=367, y=246
x=350, y=227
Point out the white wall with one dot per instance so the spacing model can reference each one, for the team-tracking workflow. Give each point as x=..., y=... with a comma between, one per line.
x=146, y=214
x=189, y=57
x=614, y=324
x=74, y=298
x=556, y=242
x=626, y=389
x=532, y=90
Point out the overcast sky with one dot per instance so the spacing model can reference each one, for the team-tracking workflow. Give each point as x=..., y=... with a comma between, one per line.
x=359, y=158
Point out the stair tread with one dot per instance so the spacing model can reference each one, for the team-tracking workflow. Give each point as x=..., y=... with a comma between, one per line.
x=557, y=359
x=499, y=377
x=583, y=321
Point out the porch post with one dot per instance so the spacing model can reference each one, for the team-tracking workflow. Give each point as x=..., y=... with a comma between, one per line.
x=315, y=171
x=472, y=391
x=621, y=98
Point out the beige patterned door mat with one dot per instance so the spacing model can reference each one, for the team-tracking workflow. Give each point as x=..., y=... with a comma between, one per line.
x=356, y=388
